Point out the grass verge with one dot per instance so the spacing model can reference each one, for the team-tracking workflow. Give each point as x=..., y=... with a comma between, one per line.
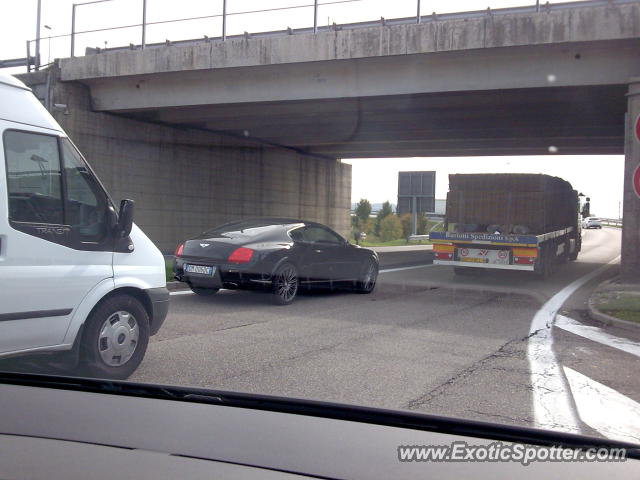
x=168, y=268
x=622, y=305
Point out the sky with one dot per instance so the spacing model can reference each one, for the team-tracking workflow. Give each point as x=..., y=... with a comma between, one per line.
x=585, y=173
x=375, y=179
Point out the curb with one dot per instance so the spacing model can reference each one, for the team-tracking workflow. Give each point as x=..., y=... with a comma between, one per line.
x=175, y=286
x=609, y=320
x=603, y=317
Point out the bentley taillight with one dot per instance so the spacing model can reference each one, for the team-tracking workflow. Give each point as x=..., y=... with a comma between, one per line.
x=240, y=255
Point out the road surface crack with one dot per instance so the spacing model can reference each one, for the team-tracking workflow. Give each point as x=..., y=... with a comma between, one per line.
x=504, y=351
x=356, y=338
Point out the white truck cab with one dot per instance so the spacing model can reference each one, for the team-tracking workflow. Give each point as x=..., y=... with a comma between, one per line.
x=75, y=274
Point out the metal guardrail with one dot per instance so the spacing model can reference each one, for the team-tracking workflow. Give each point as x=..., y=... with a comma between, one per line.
x=533, y=7
x=611, y=222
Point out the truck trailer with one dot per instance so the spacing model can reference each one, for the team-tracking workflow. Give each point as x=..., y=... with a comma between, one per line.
x=509, y=222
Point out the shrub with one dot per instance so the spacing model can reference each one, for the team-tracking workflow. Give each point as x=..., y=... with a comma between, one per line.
x=421, y=228
x=390, y=228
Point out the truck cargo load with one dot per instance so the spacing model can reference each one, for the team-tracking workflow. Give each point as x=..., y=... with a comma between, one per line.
x=540, y=203
x=521, y=222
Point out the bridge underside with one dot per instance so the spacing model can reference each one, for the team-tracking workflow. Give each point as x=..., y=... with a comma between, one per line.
x=575, y=120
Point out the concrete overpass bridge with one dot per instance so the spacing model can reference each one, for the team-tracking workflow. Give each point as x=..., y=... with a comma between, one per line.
x=266, y=119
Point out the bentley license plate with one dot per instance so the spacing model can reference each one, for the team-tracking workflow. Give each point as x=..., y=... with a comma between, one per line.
x=200, y=269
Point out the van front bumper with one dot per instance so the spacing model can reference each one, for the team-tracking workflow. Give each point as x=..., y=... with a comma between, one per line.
x=159, y=301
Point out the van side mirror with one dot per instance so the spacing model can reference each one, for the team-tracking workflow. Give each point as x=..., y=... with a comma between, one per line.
x=125, y=217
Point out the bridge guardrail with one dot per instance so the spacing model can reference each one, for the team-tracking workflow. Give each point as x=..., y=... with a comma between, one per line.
x=311, y=6
x=611, y=222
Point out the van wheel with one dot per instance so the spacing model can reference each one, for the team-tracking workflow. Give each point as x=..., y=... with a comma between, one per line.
x=115, y=338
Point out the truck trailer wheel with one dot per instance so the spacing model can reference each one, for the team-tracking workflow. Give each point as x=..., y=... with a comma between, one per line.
x=545, y=265
x=573, y=256
x=115, y=338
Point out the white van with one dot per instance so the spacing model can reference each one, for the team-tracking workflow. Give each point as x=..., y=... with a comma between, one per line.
x=75, y=274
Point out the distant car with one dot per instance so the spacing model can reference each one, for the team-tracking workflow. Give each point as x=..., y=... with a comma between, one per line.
x=591, y=222
x=277, y=255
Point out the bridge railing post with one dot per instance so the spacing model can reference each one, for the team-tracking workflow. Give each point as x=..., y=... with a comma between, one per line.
x=73, y=29
x=28, y=55
x=315, y=16
x=224, y=20
x=38, y=14
x=144, y=22
x=418, y=15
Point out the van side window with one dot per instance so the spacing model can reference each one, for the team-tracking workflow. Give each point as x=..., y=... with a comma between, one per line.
x=34, y=178
x=86, y=201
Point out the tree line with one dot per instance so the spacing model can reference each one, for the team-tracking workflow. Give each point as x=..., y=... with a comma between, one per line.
x=386, y=225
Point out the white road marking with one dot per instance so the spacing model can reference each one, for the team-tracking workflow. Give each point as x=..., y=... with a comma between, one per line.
x=551, y=402
x=612, y=414
x=596, y=334
x=388, y=270
x=181, y=292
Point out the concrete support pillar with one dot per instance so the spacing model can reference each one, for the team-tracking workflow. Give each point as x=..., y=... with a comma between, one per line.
x=631, y=210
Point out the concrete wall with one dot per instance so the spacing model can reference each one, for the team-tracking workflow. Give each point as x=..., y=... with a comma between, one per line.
x=184, y=181
x=631, y=224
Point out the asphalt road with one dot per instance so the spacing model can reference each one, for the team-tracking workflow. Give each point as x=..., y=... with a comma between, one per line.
x=425, y=340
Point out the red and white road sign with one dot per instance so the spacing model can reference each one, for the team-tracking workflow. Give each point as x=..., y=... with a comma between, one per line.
x=636, y=181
